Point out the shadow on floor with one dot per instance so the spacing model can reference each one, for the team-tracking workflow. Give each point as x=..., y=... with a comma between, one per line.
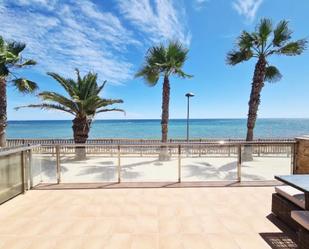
x=223, y=172
x=285, y=240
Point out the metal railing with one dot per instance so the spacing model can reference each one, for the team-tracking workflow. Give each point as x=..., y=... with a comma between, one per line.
x=270, y=145
x=179, y=152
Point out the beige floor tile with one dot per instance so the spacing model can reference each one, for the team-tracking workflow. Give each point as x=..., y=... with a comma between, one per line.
x=69, y=242
x=222, y=241
x=170, y=241
x=96, y=242
x=170, y=225
x=101, y=226
x=191, y=224
x=235, y=224
x=45, y=242
x=124, y=224
x=147, y=224
x=181, y=218
x=16, y=243
x=252, y=241
x=119, y=241
x=143, y=241
x=195, y=241
x=212, y=224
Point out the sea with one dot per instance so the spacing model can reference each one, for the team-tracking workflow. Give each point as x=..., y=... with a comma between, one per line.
x=151, y=128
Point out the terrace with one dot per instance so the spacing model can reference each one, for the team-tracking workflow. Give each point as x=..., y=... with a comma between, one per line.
x=122, y=196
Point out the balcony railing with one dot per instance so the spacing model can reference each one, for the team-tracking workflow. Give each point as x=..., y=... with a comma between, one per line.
x=14, y=171
x=212, y=161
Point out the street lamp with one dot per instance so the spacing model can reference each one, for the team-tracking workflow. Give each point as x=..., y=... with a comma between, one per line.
x=188, y=95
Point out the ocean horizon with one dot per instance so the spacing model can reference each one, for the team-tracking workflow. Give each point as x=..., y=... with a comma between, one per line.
x=151, y=128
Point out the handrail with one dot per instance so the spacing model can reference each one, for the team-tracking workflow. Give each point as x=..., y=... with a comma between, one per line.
x=11, y=150
x=220, y=143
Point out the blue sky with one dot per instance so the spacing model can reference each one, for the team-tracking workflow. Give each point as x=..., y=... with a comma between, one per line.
x=111, y=37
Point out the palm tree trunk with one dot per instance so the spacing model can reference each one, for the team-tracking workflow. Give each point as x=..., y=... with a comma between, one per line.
x=3, y=112
x=165, y=116
x=81, y=127
x=254, y=102
x=165, y=108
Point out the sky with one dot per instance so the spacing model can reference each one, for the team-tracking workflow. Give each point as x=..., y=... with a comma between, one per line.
x=111, y=38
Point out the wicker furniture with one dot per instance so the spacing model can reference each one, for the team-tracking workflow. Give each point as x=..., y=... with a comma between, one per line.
x=302, y=218
x=296, y=216
x=300, y=182
x=282, y=208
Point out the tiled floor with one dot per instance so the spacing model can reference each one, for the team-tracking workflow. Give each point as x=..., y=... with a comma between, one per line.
x=180, y=218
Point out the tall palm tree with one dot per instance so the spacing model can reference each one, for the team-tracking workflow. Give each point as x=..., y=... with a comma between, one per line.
x=10, y=60
x=261, y=44
x=161, y=61
x=83, y=102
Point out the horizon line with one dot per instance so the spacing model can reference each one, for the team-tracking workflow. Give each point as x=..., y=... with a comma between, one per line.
x=137, y=119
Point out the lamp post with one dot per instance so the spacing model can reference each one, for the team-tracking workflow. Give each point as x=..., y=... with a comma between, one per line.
x=188, y=95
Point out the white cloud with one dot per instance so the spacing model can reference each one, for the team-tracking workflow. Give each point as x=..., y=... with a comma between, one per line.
x=247, y=8
x=199, y=4
x=158, y=20
x=64, y=35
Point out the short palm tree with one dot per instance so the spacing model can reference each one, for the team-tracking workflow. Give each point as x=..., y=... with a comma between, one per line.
x=83, y=102
x=264, y=42
x=161, y=61
x=10, y=60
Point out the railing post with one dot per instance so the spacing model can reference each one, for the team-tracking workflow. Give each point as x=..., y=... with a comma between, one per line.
x=119, y=165
x=292, y=158
x=23, y=172
x=58, y=166
x=30, y=169
x=179, y=163
x=229, y=148
x=239, y=164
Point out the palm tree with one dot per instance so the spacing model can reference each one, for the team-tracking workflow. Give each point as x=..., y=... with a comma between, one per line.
x=164, y=61
x=261, y=44
x=83, y=102
x=10, y=60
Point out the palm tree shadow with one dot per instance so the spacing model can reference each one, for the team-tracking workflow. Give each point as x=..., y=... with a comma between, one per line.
x=47, y=167
x=225, y=172
x=108, y=173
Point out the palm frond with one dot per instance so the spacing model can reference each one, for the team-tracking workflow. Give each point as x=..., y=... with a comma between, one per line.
x=68, y=84
x=28, y=63
x=24, y=85
x=293, y=48
x=100, y=88
x=106, y=102
x=182, y=74
x=83, y=100
x=59, y=99
x=15, y=47
x=282, y=33
x=151, y=75
x=47, y=106
x=264, y=29
x=234, y=57
x=163, y=61
x=110, y=110
x=272, y=74
x=245, y=41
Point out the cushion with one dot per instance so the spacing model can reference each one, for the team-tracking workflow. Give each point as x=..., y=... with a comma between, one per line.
x=301, y=217
x=292, y=194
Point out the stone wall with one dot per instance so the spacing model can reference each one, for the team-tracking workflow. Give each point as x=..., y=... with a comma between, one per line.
x=301, y=165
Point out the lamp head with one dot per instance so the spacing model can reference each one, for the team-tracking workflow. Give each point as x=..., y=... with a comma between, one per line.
x=189, y=95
